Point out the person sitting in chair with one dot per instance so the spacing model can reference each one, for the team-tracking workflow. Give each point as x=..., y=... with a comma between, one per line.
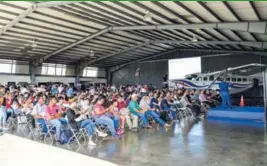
x=144, y=104
x=77, y=121
x=39, y=113
x=53, y=115
x=100, y=116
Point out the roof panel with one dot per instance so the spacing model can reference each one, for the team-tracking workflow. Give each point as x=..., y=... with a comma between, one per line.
x=243, y=10
x=261, y=6
x=221, y=10
x=8, y=8
x=37, y=28
x=199, y=10
x=24, y=4
x=60, y=26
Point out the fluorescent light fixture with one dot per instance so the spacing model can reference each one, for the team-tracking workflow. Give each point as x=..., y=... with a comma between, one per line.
x=34, y=44
x=148, y=16
x=91, y=53
x=194, y=38
x=164, y=45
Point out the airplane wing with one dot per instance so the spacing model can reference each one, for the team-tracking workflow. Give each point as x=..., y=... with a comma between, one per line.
x=234, y=69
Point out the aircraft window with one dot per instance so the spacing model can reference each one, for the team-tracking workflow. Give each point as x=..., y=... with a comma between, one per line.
x=220, y=79
x=245, y=79
x=234, y=79
x=199, y=79
x=189, y=78
x=228, y=79
x=211, y=78
x=239, y=79
x=205, y=79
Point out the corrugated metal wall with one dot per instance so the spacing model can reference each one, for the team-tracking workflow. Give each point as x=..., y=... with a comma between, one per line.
x=222, y=62
x=150, y=73
x=153, y=72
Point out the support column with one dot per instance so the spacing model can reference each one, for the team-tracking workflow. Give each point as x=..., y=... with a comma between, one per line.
x=77, y=75
x=108, y=76
x=32, y=72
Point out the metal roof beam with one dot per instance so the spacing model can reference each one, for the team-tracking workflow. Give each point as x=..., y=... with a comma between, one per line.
x=29, y=10
x=255, y=10
x=53, y=4
x=247, y=26
x=261, y=45
x=186, y=50
x=116, y=53
x=256, y=27
x=18, y=18
x=94, y=35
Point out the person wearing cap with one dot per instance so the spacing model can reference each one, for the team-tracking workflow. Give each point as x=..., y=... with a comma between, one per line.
x=136, y=110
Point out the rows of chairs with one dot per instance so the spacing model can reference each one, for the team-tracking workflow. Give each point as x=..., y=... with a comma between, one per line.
x=77, y=136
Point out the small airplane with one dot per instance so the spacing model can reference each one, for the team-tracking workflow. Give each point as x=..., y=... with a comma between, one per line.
x=237, y=82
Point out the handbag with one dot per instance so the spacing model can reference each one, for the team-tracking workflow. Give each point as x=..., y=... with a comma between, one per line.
x=22, y=119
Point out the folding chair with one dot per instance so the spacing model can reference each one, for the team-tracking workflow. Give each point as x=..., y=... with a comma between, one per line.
x=182, y=112
x=50, y=131
x=99, y=127
x=37, y=130
x=77, y=135
x=205, y=107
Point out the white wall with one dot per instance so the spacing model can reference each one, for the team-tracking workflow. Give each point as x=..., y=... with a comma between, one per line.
x=97, y=80
x=4, y=79
x=55, y=79
x=22, y=69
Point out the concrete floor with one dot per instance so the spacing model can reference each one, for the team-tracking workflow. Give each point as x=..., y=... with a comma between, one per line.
x=192, y=143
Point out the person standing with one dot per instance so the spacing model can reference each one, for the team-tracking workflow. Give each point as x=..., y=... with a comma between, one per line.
x=226, y=99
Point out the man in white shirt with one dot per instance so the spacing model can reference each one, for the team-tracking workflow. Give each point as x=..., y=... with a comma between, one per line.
x=23, y=90
x=39, y=112
x=60, y=88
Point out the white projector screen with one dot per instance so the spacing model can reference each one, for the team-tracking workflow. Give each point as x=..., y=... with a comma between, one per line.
x=178, y=68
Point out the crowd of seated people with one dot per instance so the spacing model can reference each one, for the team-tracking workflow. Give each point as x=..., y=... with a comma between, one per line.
x=113, y=107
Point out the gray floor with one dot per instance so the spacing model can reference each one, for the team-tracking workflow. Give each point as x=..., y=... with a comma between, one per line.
x=193, y=143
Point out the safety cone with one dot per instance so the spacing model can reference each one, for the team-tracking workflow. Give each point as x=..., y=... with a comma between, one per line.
x=242, y=103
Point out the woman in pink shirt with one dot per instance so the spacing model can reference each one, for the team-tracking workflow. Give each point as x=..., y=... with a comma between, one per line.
x=100, y=116
x=54, y=116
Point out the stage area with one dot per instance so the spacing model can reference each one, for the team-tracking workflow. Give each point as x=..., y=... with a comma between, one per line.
x=202, y=143
x=239, y=113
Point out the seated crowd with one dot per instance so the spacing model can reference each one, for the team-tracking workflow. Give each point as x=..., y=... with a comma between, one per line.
x=116, y=108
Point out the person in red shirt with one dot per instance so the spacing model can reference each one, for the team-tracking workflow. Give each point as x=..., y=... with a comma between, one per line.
x=125, y=115
x=53, y=115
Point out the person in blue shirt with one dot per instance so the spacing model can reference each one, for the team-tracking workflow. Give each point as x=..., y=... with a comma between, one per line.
x=154, y=103
x=54, y=90
x=70, y=92
x=226, y=99
x=166, y=105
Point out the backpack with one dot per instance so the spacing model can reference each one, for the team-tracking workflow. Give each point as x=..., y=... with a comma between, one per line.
x=65, y=136
x=164, y=116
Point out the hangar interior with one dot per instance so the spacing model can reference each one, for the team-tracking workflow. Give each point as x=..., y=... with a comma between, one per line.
x=114, y=37
x=106, y=42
